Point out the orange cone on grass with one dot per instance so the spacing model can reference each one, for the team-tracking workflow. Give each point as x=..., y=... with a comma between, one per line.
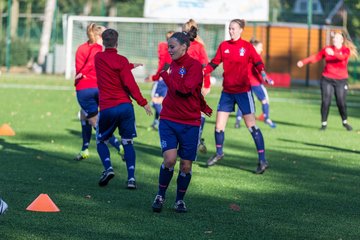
x=43, y=203
x=260, y=117
x=6, y=130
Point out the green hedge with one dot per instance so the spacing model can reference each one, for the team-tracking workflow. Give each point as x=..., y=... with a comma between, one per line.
x=20, y=53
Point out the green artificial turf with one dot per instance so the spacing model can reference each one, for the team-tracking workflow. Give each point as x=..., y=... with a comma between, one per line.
x=310, y=191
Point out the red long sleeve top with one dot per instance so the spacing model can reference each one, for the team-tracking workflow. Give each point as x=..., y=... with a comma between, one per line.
x=115, y=80
x=254, y=75
x=84, y=63
x=184, y=101
x=197, y=51
x=163, y=58
x=335, y=65
x=235, y=56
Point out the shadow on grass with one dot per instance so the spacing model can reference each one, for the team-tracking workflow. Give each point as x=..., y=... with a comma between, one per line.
x=321, y=146
x=290, y=201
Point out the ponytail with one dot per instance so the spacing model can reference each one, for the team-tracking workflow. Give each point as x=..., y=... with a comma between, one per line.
x=186, y=37
x=94, y=31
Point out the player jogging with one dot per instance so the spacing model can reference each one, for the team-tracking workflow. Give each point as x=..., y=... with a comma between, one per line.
x=180, y=119
x=87, y=92
x=236, y=55
x=116, y=85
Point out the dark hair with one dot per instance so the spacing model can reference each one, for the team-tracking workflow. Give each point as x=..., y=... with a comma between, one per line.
x=254, y=42
x=186, y=37
x=241, y=22
x=110, y=38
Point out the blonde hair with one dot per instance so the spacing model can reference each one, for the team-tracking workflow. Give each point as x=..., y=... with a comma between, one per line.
x=347, y=43
x=94, y=31
x=169, y=34
x=187, y=27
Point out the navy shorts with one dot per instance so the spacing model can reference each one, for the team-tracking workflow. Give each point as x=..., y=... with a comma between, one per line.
x=121, y=117
x=245, y=101
x=260, y=92
x=159, y=89
x=89, y=101
x=179, y=136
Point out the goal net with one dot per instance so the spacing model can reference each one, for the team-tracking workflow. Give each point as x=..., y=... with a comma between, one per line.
x=138, y=39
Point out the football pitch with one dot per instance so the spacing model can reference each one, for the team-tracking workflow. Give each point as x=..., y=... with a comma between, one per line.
x=310, y=191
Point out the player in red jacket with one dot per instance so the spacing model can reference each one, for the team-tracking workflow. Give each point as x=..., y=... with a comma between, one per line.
x=334, y=76
x=198, y=52
x=258, y=88
x=116, y=85
x=236, y=55
x=87, y=88
x=180, y=118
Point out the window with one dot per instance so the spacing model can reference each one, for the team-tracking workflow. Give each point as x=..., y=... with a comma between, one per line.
x=301, y=7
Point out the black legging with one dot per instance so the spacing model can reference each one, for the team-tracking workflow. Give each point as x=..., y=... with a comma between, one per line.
x=328, y=86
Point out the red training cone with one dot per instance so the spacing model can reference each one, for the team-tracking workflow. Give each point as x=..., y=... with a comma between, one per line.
x=43, y=203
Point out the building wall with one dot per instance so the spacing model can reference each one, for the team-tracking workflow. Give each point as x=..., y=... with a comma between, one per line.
x=285, y=44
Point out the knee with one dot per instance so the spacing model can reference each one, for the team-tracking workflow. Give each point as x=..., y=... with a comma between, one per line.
x=169, y=162
x=219, y=129
x=125, y=142
x=185, y=166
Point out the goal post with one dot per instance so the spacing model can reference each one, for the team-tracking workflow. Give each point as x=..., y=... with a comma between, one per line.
x=138, y=38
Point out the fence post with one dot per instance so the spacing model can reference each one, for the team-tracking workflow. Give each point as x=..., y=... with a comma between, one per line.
x=8, y=37
x=309, y=22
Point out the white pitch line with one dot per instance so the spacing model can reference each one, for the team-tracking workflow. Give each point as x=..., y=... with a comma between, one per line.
x=66, y=88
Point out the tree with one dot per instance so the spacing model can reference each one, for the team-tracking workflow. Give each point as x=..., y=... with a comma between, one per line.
x=46, y=31
x=14, y=18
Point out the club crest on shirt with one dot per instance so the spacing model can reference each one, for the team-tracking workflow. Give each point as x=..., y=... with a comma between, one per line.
x=242, y=51
x=182, y=71
x=163, y=144
x=227, y=51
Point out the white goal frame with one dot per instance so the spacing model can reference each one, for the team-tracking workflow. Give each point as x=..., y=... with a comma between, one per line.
x=70, y=58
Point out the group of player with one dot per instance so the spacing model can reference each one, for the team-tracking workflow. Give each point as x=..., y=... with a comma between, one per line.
x=104, y=81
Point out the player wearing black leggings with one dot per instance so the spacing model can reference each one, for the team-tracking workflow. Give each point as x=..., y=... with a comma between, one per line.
x=334, y=76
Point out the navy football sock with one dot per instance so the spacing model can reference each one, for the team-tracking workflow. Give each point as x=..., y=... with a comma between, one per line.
x=259, y=142
x=115, y=142
x=183, y=182
x=130, y=158
x=219, y=141
x=86, y=130
x=165, y=177
x=265, y=110
x=104, y=154
x=157, y=108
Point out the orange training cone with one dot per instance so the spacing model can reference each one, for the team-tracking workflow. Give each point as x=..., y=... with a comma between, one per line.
x=6, y=130
x=43, y=203
x=260, y=117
